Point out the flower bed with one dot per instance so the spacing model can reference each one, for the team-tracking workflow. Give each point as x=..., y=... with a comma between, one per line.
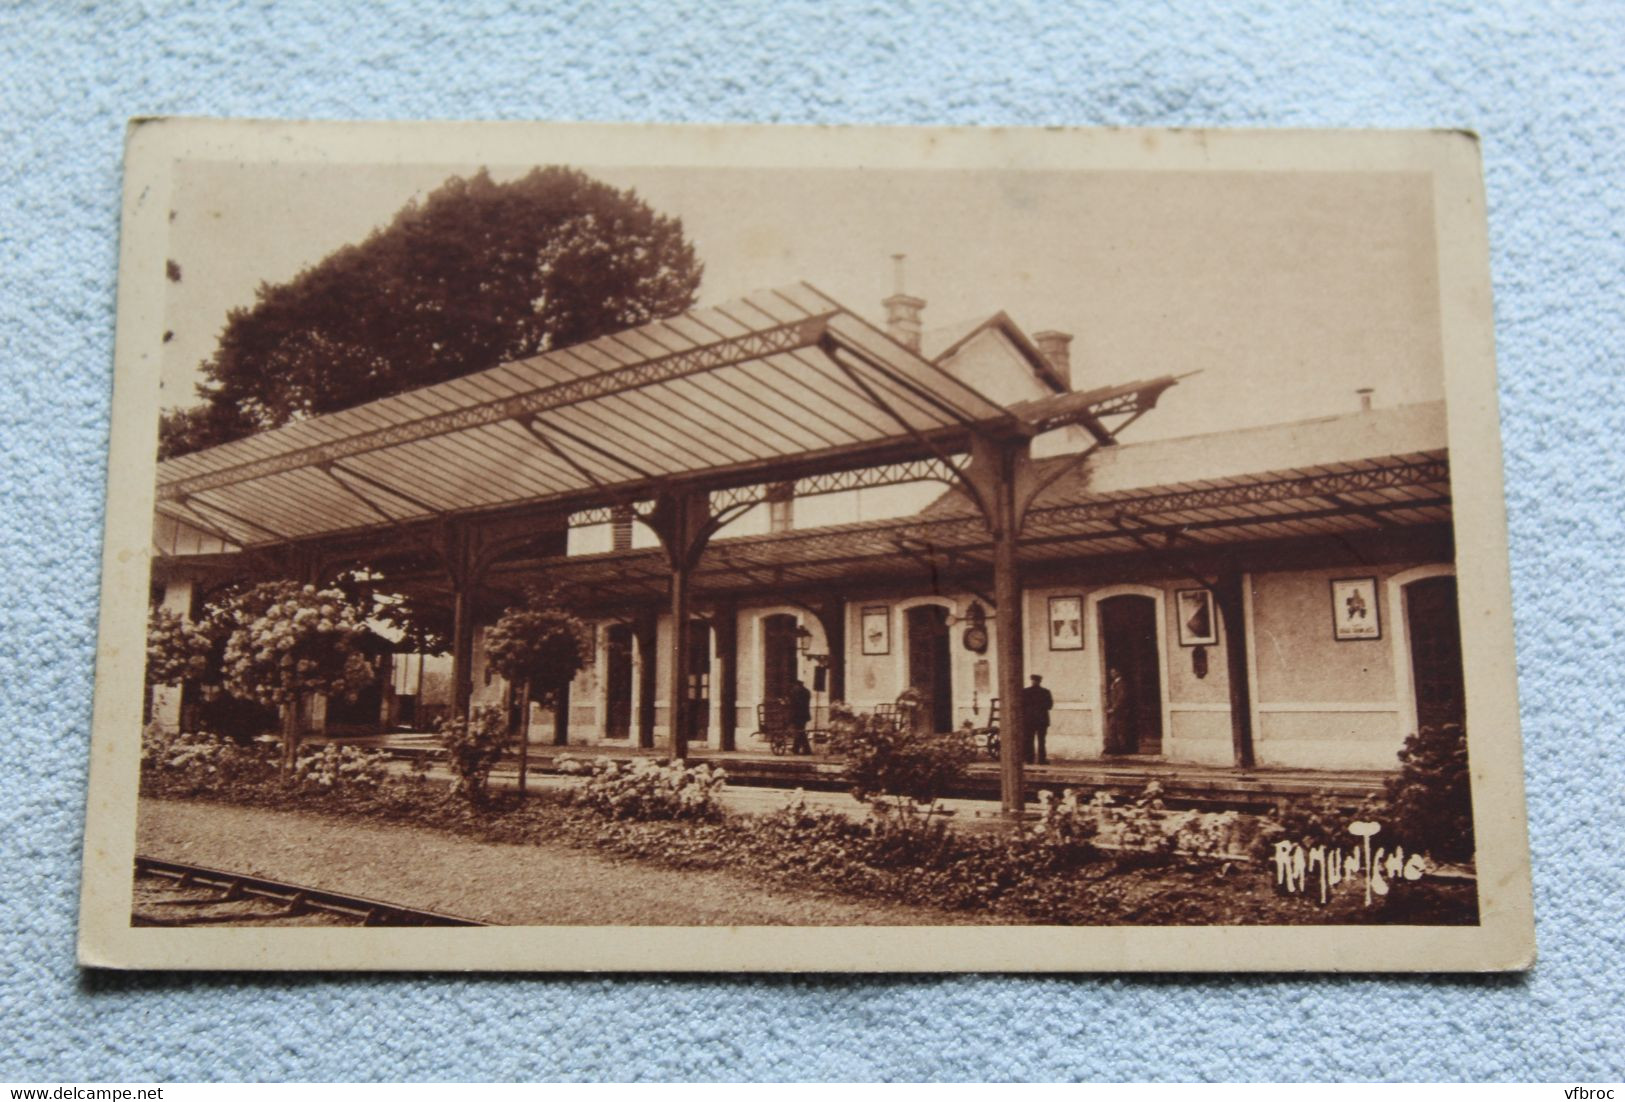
x=1083, y=860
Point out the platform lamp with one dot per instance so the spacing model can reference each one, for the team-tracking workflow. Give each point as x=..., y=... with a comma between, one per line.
x=820, y=661
x=804, y=645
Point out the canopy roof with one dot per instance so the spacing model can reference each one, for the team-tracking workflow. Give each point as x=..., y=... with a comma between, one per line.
x=1336, y=500
x=781, y=384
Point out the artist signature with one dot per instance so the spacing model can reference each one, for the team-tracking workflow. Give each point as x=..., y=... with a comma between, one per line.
x=1331, y=866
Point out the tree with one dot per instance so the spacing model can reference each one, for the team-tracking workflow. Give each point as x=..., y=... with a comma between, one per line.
x=198, y=427
x=477, y=274
x=290, y=641
x=539, y=647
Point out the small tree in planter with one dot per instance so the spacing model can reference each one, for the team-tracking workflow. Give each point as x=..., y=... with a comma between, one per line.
x=539, y=647
x=289, y=641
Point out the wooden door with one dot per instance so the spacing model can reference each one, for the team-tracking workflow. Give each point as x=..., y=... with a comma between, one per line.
x=1435, y=636
x=699, y=681
x=618, y=682
x=778, y=657
x=930, y=664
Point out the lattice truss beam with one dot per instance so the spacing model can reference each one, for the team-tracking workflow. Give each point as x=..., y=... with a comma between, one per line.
x=892, y=474
x=1417, y=484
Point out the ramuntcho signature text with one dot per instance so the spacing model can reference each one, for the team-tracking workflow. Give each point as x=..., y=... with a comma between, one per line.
x=1358, y=865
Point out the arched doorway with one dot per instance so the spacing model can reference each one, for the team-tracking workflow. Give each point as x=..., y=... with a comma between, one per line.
x=778, y=656
x=699, y=681
x=1129, y=649
x=1434, y=635
x=618, y=681
x=930, y=665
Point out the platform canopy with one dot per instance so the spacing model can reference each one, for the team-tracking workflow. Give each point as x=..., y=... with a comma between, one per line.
x=1069, y=522
x=781, y=384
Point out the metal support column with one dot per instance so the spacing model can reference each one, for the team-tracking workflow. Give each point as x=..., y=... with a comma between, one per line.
x=727, y=629
x=646, y=629
x=462, y=650
x=1229, y=596
x=1000, y=478
x=1009, y=637
x=460, y=570
x=683, y=521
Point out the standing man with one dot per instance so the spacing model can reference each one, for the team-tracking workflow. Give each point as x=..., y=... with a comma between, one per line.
x=1036, y=702
x=800, y=716
x=1117, y=728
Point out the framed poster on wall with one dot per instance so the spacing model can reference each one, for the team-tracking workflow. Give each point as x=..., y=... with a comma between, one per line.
x=1066, y=623
x=876, y=629
x=1354, y=609
x=1198, y=627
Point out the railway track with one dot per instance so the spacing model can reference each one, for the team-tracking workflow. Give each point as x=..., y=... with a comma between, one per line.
x=171, y=893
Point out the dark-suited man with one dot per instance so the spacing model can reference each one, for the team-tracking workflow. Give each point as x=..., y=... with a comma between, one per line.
x=800, y=716
x=1036, y=703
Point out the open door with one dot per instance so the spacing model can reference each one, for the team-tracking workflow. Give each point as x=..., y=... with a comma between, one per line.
x=1435, y=639
x=618, y=682
x=930, y=665
x=1132, y=692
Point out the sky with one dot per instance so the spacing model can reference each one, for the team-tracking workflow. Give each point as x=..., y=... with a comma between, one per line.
x=1287, y=291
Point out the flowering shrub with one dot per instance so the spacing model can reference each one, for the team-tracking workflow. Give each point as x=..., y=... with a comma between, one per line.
x=201, y=761
x=1431, y=801
x=1136, y=824
x=342, y=769
x=473, y=747
x=900, y=834
x=904, y=853
x=179, y=652
x=649, y=789
x=566, y=766
x=1063, y=836
x=289, y=640
x=1318, y=820
x=888, y=759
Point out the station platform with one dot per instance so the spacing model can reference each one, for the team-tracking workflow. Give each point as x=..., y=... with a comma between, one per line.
x=1184, y=784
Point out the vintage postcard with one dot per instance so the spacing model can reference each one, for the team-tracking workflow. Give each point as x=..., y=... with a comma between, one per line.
x=575, y=547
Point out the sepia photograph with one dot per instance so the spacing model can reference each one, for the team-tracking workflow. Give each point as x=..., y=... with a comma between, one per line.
x=756, y=549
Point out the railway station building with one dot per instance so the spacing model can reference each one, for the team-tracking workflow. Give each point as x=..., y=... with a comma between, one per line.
x=870, y=507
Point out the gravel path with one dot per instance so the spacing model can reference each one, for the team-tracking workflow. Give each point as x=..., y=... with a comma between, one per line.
x=516, y=885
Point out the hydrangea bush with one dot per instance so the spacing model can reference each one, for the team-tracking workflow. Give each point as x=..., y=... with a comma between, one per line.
x=648, y=789
x=887, y=759
x=336, y=768
x=179, y=651
x=289, y=641
x=202, y=761
x=473, y=748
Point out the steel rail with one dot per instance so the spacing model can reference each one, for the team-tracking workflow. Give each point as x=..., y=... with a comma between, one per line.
x=371, y=912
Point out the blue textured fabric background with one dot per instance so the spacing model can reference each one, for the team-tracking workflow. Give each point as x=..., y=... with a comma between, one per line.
x=1540, y=82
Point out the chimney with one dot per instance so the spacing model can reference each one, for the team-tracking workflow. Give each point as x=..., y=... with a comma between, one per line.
x=1365, y=393
x=1057, y=349
x=903, y=311
x=620, y=524
x=781, y=507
